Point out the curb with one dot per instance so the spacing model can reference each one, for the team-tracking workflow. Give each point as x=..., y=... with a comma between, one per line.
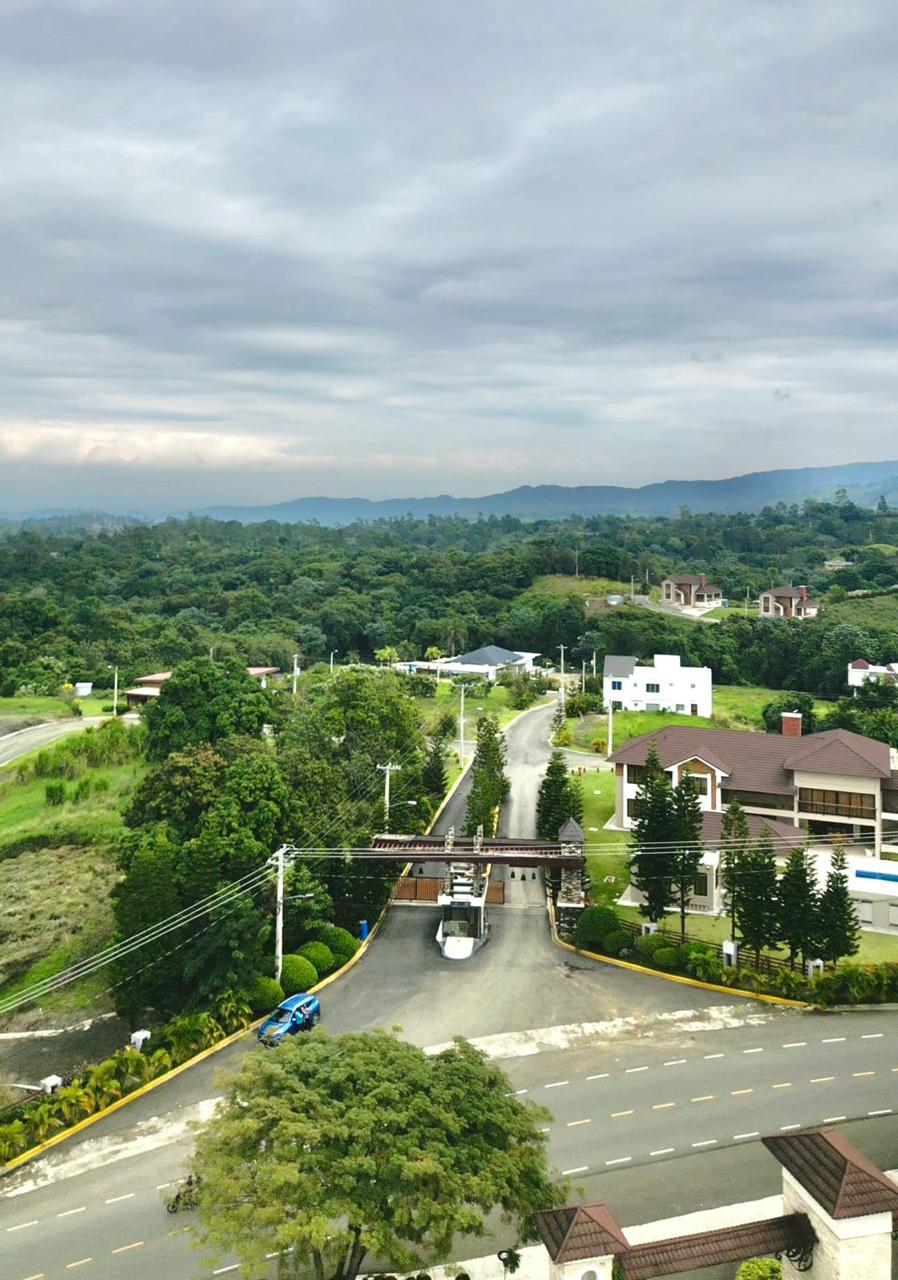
x=670, y=977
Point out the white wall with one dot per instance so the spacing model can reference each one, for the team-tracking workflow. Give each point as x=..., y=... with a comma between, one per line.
x=679, y=688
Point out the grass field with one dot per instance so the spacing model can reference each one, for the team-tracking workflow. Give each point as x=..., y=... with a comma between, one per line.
x=448, y=698
x=22, y=711
x=611, y=859
x=880, y=612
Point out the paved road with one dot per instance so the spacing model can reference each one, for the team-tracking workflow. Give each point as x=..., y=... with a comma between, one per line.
x=636, y=1072
x=18, y=744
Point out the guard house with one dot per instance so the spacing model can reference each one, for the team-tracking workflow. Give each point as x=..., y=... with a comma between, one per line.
x=463, y=926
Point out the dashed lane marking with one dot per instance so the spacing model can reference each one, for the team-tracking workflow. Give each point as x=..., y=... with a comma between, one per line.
x=138, y=1244
x=752, y=1050
x=556, y=1084
x=572, y=1124
x=737, y=1093
x=857, y=1075
x=632, y=1070
x=705, y=1097
x=834, y=1040
x=619, y=1160
x=603, y=1075
x=665, y=1151
x=160, y=1186
x=115, y=1199
x=70, y=1266
x=786, y=1084
x=755, y=1133
x=235, y=1266
x=675, y=1062
x=709, y=1142
x=581, y=1168
x=22, y=1225
x=796, y=1044
x=873, y=1035
x=709, y=1056
x=784, y=1128
x=38, y=1276
x=821, y=1079
x=68, y=1212
x=615, y=1114
x=663, y=1106
x=885, y=1111
x=834, y=1119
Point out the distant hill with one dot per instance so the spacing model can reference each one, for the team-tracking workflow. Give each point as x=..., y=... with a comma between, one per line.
x=864, y=482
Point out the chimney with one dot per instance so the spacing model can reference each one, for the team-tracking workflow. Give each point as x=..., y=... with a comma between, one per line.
x=803, y=592
x=791, y=724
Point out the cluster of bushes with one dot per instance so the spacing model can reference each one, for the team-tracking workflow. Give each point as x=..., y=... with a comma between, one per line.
x=601, y=929
x=56, y=792
x=314, y=960
x=113, y=743
x=98, y=1086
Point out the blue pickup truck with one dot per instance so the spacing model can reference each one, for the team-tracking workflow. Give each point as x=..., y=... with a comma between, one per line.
x=296, y=1013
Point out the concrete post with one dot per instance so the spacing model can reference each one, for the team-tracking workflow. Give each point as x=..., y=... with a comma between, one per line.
x=584, y=1269
x=847, y=1248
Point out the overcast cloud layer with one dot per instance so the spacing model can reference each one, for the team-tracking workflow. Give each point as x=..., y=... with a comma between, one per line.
x=252, y=250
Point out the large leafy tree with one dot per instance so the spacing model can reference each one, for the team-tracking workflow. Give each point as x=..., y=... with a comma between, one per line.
x=735, y=846
x=179, y=791
x=652, y=865
x=799, y=906
x=560, y=798
x=489, y=783
x=839, y=929
x=686, y=834
x=772, y=713
x=757, y=910
x=205, y=701
x=335, y=1149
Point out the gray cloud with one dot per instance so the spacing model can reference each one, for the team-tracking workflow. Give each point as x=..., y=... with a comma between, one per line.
x=253, y=250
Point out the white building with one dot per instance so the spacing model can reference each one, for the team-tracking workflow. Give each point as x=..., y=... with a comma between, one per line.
x=464, y=926
x=859, y=671
x=664, y=686
x=486, y=662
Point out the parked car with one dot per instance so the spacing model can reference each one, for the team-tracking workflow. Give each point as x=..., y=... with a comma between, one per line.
x=296, y=1013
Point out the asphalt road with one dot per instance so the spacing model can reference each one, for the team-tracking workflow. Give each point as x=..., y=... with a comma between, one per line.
x=636, y=1072
x=18, y=744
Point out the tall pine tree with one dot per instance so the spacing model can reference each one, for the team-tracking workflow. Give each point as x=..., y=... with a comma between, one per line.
x=757, y=912
x=799, y=906
x=839, y=930
x=686, y=832
x=560, y=797
x=489, y=784
x=735, y=848
x=651, y=862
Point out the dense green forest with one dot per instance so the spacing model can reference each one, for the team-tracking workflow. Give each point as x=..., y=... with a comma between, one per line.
x=147, y=597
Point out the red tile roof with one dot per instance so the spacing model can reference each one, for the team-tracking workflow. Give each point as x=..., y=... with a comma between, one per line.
x=713, y=1248
x=839, y=1177
x=588, y=1231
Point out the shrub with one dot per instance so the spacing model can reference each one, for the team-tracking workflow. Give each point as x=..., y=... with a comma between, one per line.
x=298, y=974
x=707, y=967
x=82, y=791
x=594, y=924
x=320, y=955
x=54, y=793
x=650, y=943
x=760, y=1269
x=615, y=941
x=264, y=994
x=340, y=941
x=667, y=957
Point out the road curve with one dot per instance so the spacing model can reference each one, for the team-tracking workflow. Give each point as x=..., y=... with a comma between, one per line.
x=20, y=743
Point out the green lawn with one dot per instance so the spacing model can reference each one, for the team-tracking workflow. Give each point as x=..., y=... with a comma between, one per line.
x=32, y=710
x=611, y=858
x=873, y=611
x=448, y=698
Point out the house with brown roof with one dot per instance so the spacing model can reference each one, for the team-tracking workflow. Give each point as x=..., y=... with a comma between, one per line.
x=149, y=687
x=787, y=602
x=687, y=590
x=831, y=784
x=861, y=671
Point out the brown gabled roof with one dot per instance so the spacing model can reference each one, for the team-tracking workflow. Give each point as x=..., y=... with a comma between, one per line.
x=859, y=664
x=587, y=1231
x=713, y=1248
x=758, y=761
x=842, y=1180
x=783, y=834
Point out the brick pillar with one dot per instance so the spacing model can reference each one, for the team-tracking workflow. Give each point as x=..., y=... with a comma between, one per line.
x=846, y=1248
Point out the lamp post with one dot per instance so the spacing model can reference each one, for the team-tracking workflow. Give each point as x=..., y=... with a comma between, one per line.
x=295, y=672
x=114, y=689
x=333, y=651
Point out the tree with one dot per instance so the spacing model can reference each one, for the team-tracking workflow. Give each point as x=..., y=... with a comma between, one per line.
x=179, y=791
x=799, y=906
x=651, y=862
x=772, y=713
x=760, y=1269
x=757, y=911
x=686, y=832
x=560, y=798
x=387, y=655
x=335, y=1148
x=839, y=929
x=205, y=701
x=734, y=852
x=489, y=784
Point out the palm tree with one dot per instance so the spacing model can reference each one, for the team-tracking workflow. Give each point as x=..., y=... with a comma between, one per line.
x=232, y=1011
x=130, y=1068
x=75, y=1102
x=42, y=1120
x=159, y=1063
x=103, y=1084
x=13, y=1139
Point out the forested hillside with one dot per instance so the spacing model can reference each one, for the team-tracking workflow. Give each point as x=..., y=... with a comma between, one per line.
x=148, y=597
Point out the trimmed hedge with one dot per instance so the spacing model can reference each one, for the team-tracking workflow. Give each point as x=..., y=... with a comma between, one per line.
x=595, y=924
x=264, y=994
x=298, y=974
x=649, y=943
x=320, y=956
x=616, y=941
x=340, y=941
x=667, y=957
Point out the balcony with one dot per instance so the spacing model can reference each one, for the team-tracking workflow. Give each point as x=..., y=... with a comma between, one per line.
x=864, y=812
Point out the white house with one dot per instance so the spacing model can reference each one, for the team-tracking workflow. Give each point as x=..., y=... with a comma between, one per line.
x=486, y=662
x=860, y=670
x=666, y=685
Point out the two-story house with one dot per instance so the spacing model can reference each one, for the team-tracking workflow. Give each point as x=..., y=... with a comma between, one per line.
x=689, y=589
x=666, y=685
x=826, y=784
x=787, y=602
x=860, y=671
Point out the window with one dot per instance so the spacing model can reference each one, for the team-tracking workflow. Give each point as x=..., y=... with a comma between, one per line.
x=893, y=914
x=633, y=808
x=700, y=889
x=864, y=911
x=681, y=706
x=653, y=688
x=837, y=804
x=635, y=773
x=700, y=782
x=616, y=685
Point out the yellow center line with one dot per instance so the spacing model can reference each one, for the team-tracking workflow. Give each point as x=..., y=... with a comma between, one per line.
x=735, y=1093
x=706, y=1097
x=615, y=1114
x=858, y=1074
x=821, y=1079
x=662, y=1106
x=38, y=1276
x=785, y=1085
x=138, y=1244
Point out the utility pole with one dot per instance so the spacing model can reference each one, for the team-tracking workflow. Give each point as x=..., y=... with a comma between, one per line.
x=576, y=562
x=746, y=601
x=593, y=664
x=115, y=692
x=333, y=651
x=583, y=676
x=386, y=770
x=562, y=647
x=610, y=746
x=461, y=729
x=279, y=914
x=295, y=672
x=632, y=588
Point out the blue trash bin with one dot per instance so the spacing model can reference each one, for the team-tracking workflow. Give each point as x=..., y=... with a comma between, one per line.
x=363, y=930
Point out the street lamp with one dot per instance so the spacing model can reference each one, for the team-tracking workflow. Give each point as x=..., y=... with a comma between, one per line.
x=333, y=651
x=114, y=689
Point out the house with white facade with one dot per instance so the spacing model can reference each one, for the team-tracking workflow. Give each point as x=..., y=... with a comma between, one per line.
x=664, y=685
x=860, y=671
x=787, y=602
x=690, y=590
x=486, y=662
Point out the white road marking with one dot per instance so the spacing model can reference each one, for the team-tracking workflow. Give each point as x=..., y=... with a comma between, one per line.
x=755, y=1133
x=663, y=1106
x=572, y=1124
x=115, y=1199
x=875, y=1035
x=752, y=1050
x=160, y=1186
x=705, y=1097
x=821, y=1079
x=620, y=1160
x=857, y=1075
x=834, y=1040
x=709, y=1056
x=80, y=1263
x=556, y=1084
x=784, y=1128
x=68, y=1212
x=796, y=1044
x=518, y=1092
x=138, y=1244
x=736, y=1093
x=786, y=1084
x=615, y=1114
x=235, y=1266
x=581, y=1168
x=603, y=1075
x=709, y=1142
x=665, y=1151
x=886, y=1111
x=632, y=1070
x=23, y=1225
x=834, y=1119
x=675, y=1062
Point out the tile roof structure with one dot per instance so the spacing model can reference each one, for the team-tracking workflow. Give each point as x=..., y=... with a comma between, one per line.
x=588, y=1231
x=762, y=761
x=842, y=1180
x=792, y=1234
x=783, y=834
x=491, y=655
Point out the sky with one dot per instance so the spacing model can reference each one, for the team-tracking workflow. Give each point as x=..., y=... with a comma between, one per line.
x=252, y=251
